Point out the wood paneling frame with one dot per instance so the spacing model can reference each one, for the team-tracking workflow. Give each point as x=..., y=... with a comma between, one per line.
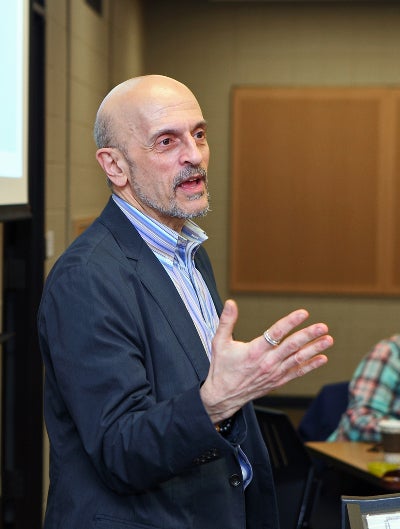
x=315, y=190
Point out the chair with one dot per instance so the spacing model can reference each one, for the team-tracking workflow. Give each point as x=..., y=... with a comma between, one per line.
x=291, y=465
x=357, y=509
x=318, y=422
x=324, y=412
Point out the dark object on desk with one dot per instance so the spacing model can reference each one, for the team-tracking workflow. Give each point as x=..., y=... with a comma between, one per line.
x=291, y=464
x=377, y=447
x=324, y=412
x=393, y=475
x=355, y=507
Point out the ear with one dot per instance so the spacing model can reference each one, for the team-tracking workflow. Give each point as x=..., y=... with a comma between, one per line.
x=114, y=165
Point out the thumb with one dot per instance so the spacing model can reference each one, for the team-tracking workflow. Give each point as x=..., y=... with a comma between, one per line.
x=227, y=321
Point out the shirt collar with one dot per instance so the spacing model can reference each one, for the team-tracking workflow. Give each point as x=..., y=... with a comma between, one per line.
x=164, y=241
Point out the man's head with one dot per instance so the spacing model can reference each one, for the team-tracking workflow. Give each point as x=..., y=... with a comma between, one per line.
x=151, y=139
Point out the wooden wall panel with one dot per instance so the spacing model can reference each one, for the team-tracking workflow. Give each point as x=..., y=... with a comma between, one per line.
x=312, y=181
x=395, y=197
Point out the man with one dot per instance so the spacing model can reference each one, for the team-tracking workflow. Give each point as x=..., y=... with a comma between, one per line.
x=374, y=394
x=146, y=393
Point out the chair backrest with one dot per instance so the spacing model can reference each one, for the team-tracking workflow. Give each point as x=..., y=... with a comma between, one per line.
x=359, y=512
x=324, y=413
x=291, y=465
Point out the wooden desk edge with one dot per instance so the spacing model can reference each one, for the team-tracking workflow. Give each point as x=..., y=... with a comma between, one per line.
x=314, y=448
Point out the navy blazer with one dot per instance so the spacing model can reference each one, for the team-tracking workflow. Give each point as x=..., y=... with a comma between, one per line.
x=131, y=445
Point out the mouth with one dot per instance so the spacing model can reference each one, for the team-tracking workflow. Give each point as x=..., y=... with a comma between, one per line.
x=192, y=184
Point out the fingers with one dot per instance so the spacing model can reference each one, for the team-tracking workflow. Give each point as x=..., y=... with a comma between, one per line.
x=284, y=326
x=298, y=354
x=302, y=344
x=300, y=351
x=301, y=338
x=300, y=369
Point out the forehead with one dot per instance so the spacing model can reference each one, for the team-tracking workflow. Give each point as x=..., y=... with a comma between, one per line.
x=174, y=115
x=144, y=109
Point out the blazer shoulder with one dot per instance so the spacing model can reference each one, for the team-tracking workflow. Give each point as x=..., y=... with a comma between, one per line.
x=111, y=238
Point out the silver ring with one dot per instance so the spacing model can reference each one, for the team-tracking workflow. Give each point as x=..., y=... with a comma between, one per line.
x=271, y=340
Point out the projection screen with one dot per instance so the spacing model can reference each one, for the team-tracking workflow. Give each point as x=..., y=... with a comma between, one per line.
x=14, y=46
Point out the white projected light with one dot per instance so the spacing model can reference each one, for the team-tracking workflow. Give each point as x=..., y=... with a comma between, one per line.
x=14, y=37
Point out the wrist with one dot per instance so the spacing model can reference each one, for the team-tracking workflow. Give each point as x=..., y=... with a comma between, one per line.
x=219, y=408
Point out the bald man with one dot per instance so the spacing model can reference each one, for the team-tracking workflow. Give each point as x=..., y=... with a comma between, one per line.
x=147, y=395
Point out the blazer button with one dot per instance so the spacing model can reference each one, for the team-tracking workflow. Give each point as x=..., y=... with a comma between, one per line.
x=235, y=480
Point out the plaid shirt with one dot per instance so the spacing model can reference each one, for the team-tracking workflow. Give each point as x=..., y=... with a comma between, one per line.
x=374, y=394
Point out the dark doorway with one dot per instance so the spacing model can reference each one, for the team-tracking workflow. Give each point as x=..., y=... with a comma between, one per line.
x=23, y=258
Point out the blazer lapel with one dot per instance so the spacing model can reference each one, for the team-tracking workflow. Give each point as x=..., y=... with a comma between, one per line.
x=159, y=285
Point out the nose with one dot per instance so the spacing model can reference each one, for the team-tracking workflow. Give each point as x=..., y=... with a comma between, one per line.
x=192, y=152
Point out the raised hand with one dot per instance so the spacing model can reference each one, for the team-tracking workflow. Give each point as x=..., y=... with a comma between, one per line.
x=240, y=372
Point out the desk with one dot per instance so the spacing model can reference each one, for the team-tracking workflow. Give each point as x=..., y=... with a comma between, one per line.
x=353, y=458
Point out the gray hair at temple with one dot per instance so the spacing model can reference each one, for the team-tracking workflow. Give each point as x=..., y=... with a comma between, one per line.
x=103, y=134
x=102, y=130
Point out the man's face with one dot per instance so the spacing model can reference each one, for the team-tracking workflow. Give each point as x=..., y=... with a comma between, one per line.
x=168, y=154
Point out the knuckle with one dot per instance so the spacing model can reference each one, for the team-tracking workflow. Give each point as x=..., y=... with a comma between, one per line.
x=298, y=358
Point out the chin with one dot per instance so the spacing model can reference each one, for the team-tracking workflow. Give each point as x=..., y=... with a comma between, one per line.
x=199, y=213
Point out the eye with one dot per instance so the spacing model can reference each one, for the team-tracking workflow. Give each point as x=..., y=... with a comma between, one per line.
x=164, y=142
x=200, y=134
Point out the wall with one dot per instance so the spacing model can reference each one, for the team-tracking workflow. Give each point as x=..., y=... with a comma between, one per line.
x=213, y=46
x=86, y=54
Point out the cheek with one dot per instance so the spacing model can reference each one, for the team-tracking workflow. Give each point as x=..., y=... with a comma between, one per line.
x=161, y=183
x=159, y=168
x=206, y=156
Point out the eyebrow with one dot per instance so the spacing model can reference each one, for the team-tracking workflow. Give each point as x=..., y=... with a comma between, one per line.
x=174, y=131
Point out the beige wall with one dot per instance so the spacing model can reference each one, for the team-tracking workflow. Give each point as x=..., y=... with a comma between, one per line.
x=214, y=46
x=86, y=54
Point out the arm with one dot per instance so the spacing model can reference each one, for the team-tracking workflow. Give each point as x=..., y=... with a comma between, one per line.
x=105, y=341
x=372, y=391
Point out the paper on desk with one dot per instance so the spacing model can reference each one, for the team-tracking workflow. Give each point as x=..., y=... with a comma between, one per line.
x=382, y=521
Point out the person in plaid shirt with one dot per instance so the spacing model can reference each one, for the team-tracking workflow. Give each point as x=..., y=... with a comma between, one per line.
x=374, y=394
